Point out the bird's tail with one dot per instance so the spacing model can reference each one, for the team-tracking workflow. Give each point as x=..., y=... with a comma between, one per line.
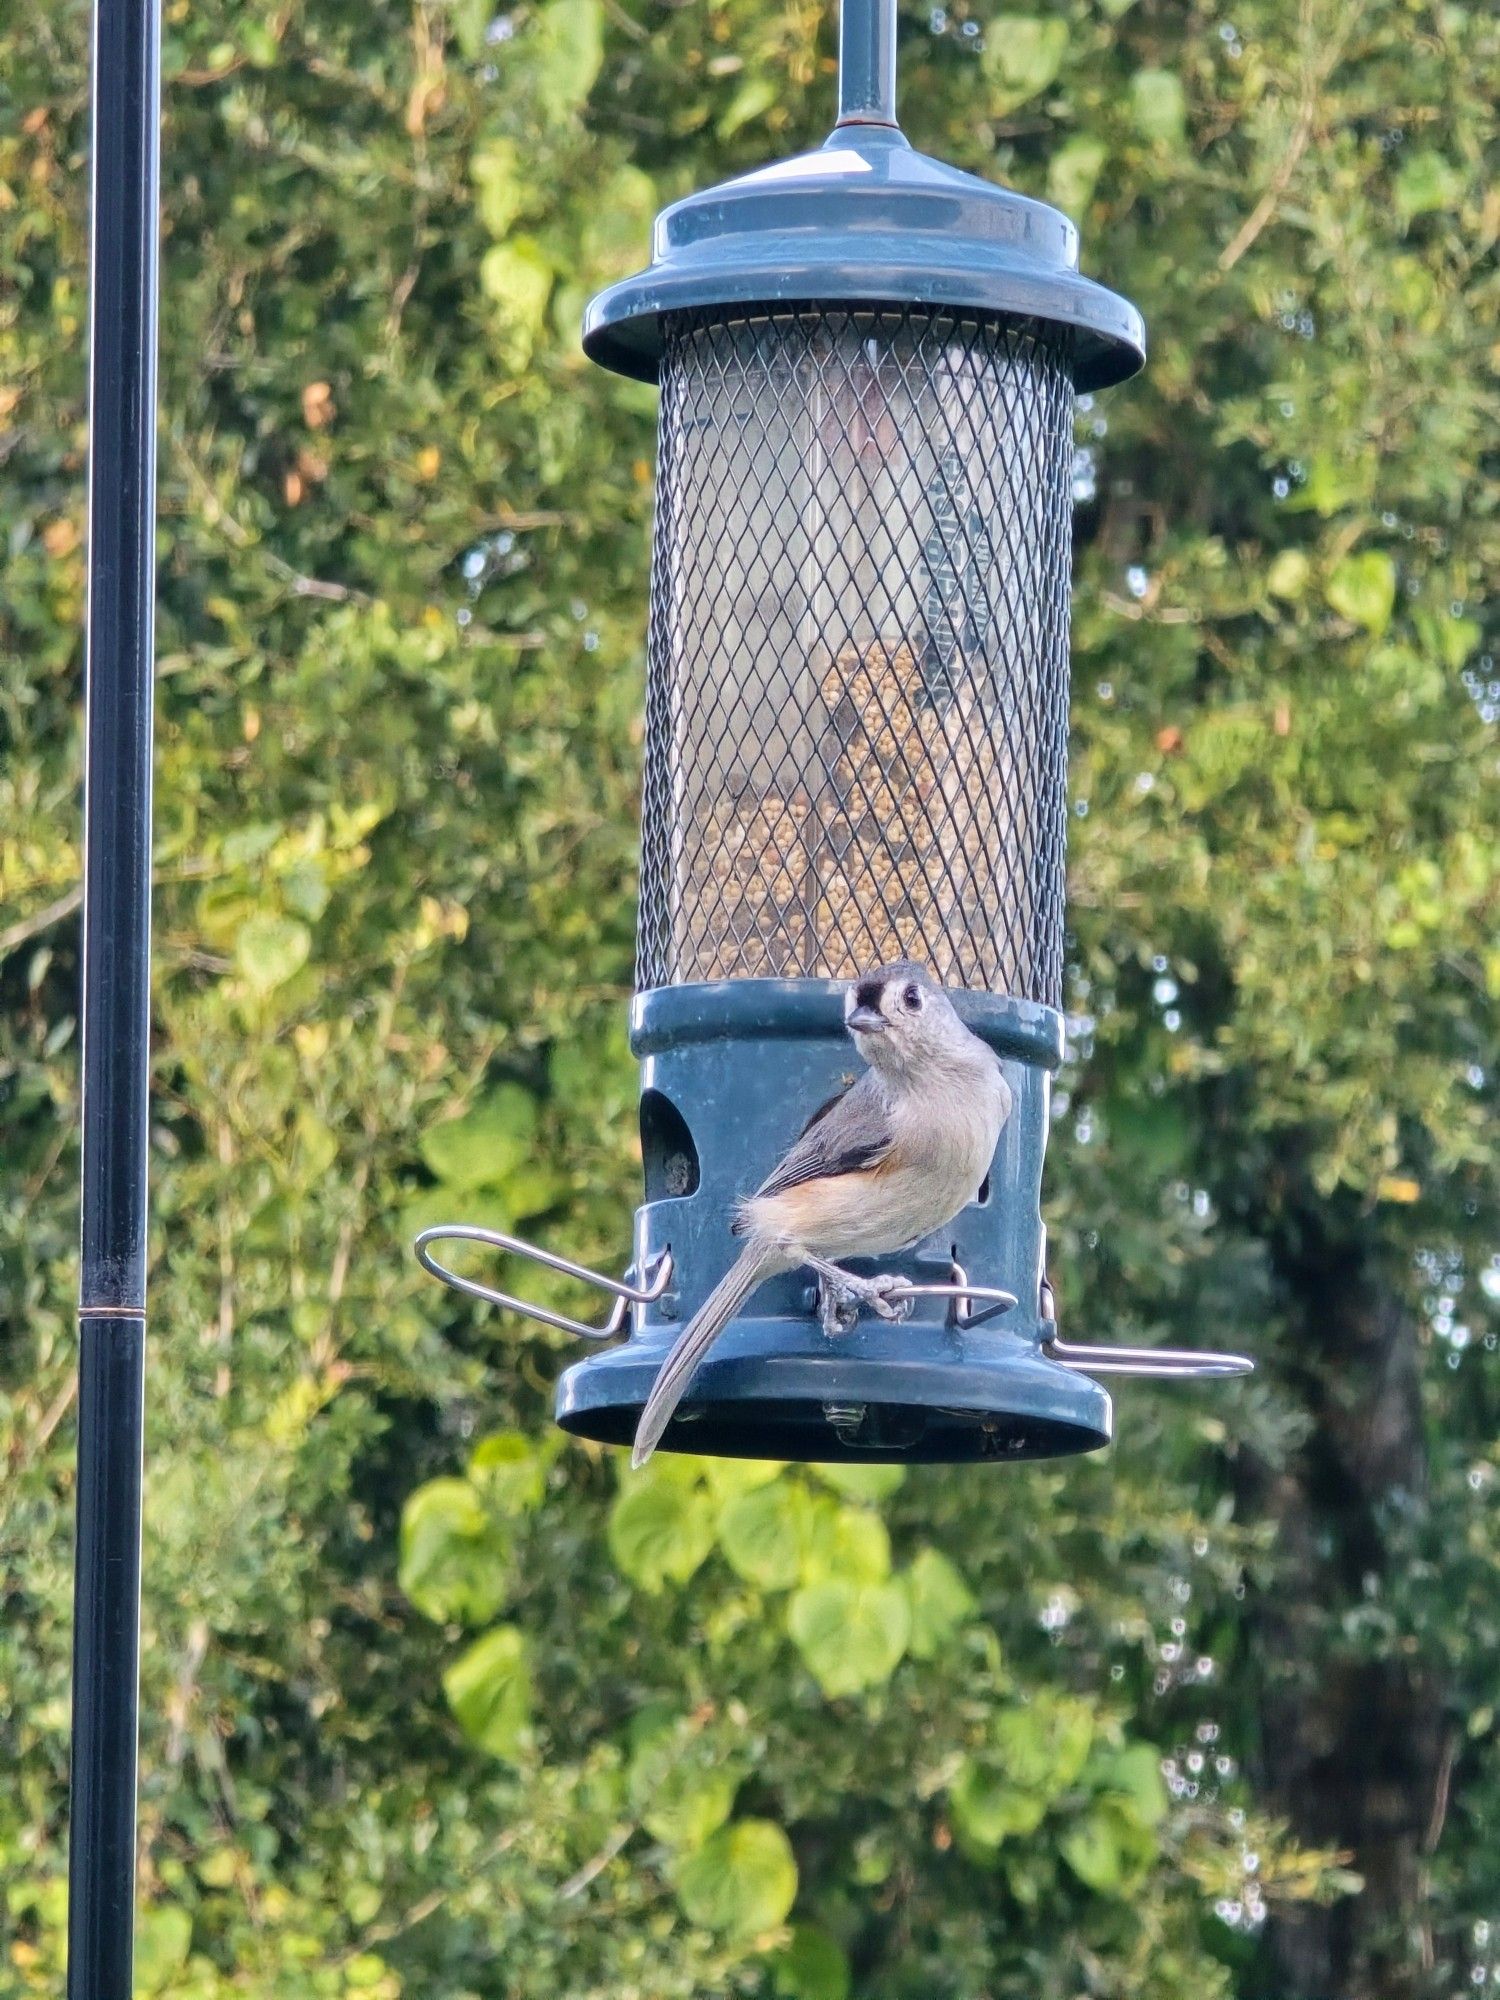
x=756, y=1261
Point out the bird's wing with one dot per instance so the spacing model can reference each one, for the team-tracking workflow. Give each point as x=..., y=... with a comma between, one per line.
x=849, y=1133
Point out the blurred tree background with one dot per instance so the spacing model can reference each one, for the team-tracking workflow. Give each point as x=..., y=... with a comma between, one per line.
x=437, y=1704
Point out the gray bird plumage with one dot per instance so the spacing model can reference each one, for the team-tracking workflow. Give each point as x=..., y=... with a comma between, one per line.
x=850, y=1132
x=874, y=1170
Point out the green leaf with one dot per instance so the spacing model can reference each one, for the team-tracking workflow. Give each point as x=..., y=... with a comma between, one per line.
x=1426, y=183
x=940, y=1601
x=362, y=1902
x=434, y=1205
x=1022, y=55
x=660, y=1531
x=270, y=950
x=219, y=1867
x=1159, y=106
x=811, y=1966
x=518, y=275
x=162, y=1938
x=1334, y=481
x=848, y=1543
x=742, y=1882
x=489, y=1690
x=1073, y=174
x=304, y=888
x=1134, y=1774
x=500, y=184
x=618, y=225
x=454, y=1560
x=1456, y=639
x=1042, y=1745
x=872, y=1859
x=729, y=1477
x=532, y=1188
x=366, y=1972
x=851, y=1635
x=1108, y=1849
x=259, y=44
x=862, y=1482
x=1288, y=575
x=987, y=1809
x=1092, y=1851
x=251, y=842
x=752, y=100
x=764, y=1534
x=1362, y=588
x=510, y=1469
x=677, y=1789
x=470, y=18
x=317, y=1146
x=487, y=1143
x=568, y=49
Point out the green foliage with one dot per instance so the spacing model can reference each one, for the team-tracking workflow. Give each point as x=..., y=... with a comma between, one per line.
x=940, y=1603
x=1363, y=588
x=490, y=1141
x=453, y=1564
x=851, y=1634
x=812, y=1966
x=1023, y=54
x=764, y=1534
x=425, y=1715
x=458, y=1535
x=679, y=1787
x=1160, y=106
x=661, y=1528
x=742, y=1880
x=489, y=1690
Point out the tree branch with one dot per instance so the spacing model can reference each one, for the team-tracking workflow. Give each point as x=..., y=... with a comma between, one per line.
x=22, y=932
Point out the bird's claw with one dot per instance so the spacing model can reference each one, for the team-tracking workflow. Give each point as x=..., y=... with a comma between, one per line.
x=840, y=1303
x=880, y=1299
x=837, y=1311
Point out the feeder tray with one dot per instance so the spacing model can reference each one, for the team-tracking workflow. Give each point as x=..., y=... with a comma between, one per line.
x=856, y=745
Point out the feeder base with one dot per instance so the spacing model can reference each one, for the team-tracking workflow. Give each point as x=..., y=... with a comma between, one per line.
x=865, y=1397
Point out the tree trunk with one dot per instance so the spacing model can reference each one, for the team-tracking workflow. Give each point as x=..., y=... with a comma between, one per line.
x=1354, y=1745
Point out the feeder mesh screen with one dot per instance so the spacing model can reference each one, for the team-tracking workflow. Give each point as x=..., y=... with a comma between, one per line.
x=857, y=698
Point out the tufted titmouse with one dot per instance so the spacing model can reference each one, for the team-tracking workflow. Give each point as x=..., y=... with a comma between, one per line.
x=875, y=1170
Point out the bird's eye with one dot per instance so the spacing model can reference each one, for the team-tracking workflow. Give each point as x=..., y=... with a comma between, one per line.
x=912, y=997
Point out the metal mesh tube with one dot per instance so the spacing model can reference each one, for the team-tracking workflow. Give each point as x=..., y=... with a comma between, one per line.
x=856, y=718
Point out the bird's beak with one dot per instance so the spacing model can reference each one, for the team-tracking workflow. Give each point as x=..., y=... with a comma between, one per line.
x=866, y=1021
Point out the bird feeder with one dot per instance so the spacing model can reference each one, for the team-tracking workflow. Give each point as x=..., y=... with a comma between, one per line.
x=856, y=749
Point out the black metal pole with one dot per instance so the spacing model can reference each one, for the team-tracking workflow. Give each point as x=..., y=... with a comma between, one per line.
x=116, y=993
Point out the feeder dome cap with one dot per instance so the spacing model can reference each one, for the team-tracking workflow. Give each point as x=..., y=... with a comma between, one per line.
x=865, y=219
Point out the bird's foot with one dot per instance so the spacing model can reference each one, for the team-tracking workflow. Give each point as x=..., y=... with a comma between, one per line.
x=842, y=1297
x=882, y=1294
x=838, y=1309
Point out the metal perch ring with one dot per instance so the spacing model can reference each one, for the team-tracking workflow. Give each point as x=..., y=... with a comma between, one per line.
x=624, y=1293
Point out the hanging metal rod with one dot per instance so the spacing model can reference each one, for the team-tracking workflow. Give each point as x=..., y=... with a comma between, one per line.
x=119, y=651
x=867, y=62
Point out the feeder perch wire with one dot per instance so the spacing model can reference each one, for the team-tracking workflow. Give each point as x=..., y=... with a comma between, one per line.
x=624, y=1293
x=964, y=1296
x=970, y=1305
